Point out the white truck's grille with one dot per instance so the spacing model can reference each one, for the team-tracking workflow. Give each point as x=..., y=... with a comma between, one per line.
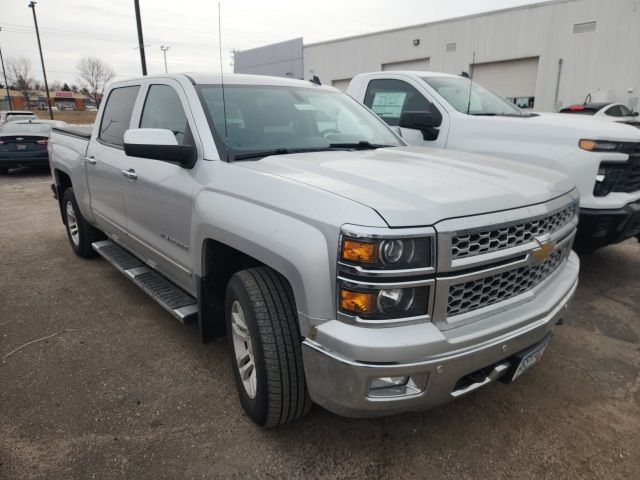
x=472, y=295
x=481, y=241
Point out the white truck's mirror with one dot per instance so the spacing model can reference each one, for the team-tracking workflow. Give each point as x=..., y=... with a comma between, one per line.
x=158, y=144
x=423, y=121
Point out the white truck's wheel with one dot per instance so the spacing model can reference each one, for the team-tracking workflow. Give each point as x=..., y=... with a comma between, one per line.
x=262, y=326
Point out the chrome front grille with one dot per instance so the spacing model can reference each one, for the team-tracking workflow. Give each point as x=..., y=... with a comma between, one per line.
x=480, y=241
x=488, y=263
x=475, y=294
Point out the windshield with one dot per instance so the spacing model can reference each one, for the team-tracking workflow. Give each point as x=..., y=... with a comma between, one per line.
x=455, y=90
x=16, y=127
x=262, y=118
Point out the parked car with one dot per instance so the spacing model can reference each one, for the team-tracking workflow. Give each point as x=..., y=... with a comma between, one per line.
x=91, y=108
x=24, y=143
x=612, y=112
x=5, y=115
x=346, y=267
x=602, y=158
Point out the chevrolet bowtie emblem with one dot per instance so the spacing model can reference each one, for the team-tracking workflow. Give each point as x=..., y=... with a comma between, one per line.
x=542, y=253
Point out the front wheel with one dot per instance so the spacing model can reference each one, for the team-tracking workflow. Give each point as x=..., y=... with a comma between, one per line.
x=266, y=349
x=81, y=234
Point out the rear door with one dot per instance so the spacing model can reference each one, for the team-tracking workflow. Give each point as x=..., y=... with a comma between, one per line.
x=106, y=161
x=159, y=198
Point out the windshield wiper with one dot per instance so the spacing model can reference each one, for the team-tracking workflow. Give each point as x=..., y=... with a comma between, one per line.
x=363, y=145
x=278, y=151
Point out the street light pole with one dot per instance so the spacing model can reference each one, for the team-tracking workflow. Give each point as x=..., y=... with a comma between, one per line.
x=140, y=41
x=6, y=84
x=32, y=6
x=164, y=50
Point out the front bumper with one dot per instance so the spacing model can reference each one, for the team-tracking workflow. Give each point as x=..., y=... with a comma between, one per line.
x=598, y=228
x=339, y=370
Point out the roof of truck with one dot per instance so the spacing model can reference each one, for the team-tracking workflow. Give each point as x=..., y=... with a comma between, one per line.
x=230, y=79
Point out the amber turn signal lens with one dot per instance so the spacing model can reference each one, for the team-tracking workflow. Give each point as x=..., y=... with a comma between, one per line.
x=357, y=302
x=360, y=252
x=588, y=145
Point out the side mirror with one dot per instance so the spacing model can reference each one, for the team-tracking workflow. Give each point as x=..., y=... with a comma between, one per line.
x=635, y=114
x=158, y=144
x=425, y=121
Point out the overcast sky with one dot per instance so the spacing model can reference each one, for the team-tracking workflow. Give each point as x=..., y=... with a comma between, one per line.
x=71, y=29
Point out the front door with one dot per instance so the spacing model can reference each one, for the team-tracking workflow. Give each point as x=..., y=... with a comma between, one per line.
x=390, y=97
x=158, y=199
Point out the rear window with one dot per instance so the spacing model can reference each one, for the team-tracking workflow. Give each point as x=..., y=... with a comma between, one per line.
x=117, y=114
x=26, y=127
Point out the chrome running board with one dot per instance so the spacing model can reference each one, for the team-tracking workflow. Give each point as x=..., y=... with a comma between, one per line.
x=171, y=297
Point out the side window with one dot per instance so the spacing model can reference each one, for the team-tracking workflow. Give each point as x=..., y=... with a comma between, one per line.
x=117, y=114
x=389, y=98
x=624, y=111
x=614, y=111
x=163, y=109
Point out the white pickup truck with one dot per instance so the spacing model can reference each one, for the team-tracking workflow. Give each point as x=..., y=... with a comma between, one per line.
x=448, y=111
x=346, y=267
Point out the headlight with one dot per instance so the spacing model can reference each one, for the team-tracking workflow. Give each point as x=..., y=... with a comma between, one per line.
x=383, y=303
x=600, y=146
x=387, y=253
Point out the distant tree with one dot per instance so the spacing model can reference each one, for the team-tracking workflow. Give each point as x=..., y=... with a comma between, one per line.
x=55, y=86
x=65, y=88
x=18, y=71
x=74, y=88
x=93, y=75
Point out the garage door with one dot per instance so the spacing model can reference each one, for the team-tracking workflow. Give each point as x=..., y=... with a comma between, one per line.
x=513, y=79
x=420, y=64
x=341, y=84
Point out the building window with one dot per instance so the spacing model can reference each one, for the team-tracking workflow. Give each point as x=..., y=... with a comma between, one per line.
x=584, y=27
x=451, y=47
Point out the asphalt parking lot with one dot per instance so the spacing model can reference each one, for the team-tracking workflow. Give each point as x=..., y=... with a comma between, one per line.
x=119, y=389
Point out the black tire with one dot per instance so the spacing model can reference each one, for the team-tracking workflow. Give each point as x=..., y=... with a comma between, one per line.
x=86, y=234
x=281, y=394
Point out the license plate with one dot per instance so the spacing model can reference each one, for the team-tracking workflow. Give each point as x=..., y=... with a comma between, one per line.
x=21, y=146
x=530, y=358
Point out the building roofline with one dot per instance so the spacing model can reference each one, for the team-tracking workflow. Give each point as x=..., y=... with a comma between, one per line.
x=444, y=20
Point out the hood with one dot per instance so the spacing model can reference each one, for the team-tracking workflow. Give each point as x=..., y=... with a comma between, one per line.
x=555, y=128
x=413, y=186
x=583, y=125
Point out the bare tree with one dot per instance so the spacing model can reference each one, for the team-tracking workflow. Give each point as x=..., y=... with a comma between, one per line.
x=19, y=77
x=93, y=75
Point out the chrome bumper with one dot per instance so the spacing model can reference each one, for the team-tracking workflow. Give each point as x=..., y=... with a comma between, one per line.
x=341, y=384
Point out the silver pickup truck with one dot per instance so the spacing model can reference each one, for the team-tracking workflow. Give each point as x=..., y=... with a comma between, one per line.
x=346, y=267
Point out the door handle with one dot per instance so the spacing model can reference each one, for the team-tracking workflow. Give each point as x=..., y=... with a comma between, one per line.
x=130, y=174
x=91, y=160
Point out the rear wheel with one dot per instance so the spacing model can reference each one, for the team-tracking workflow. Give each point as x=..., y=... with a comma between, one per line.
x=81, y=234
x=266, y=347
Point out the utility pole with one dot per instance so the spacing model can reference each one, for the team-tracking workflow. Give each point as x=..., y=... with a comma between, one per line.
x=4, y=72
x=164, y=50
x=32, y=6
x=143, y=61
